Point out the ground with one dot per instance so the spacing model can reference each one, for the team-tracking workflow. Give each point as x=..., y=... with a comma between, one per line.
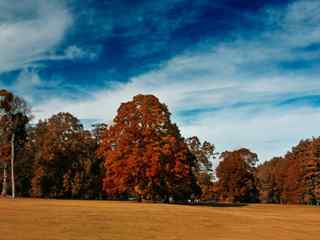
x=34, y=219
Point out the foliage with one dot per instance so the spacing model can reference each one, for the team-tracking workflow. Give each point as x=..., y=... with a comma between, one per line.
x=295, y=178
x=145, y=155
x=142, y=154
x=271, y=177
x=14, y=115
x=236, y=174
x=65, y=165
x=204, y=155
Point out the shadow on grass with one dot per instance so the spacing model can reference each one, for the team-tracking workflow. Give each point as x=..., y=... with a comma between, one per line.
x=228, y=205
x=214, y=204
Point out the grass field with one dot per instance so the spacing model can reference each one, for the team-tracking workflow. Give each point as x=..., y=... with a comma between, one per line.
x=56, y=219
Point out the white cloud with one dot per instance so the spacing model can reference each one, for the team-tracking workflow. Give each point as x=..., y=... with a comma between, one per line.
x=74, y=52
x=222, y=76
x=268, y=131
x=28, y=79
x=30, y=30
x=302, y=22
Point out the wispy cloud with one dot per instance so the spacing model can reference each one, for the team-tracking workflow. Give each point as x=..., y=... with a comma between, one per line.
x=74, y=53
x=234, y=92
x=30, y=30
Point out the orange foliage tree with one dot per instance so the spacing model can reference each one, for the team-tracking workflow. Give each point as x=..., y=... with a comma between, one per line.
x=145, y=155
x=272, y=175
x=295, y=178
x=236, y=176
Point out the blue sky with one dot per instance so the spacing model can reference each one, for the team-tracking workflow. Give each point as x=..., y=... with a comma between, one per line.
x=234, y=72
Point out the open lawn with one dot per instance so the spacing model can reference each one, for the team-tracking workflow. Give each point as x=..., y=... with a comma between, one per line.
x=56, y=219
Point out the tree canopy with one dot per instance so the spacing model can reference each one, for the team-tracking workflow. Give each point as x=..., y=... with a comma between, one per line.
x=142, y=155
x=145, y=155
x=236, y=176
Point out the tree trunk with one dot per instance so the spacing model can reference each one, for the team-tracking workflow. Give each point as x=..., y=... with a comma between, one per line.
x=12, y=167
x=4, y=183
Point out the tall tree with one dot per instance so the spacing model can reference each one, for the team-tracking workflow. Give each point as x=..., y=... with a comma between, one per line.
x=4, y=155
x=145, y=155
x=311, y=167
x=25, y=155
x=204, y=154
x=236, y=176
x=15, y=115
x=303, y=173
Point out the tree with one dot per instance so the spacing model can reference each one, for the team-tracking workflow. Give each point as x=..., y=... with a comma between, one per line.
x=271, y=177
x=292, y=186
x=311, y=177
x=294, y=178
x=204, y=154
x=65, y=163
x=145, y=155
x=15, y=114
x=236, y=176
x=303, y=173
x=4, y=155
x=25, y=155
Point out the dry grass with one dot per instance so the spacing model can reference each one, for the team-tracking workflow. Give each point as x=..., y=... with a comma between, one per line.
x=53, y=219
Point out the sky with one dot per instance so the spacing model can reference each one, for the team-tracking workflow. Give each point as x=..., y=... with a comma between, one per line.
x=236, y=73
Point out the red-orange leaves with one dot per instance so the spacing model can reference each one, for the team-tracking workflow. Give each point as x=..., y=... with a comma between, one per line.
x=295, y=178
x=236, y=173
x=145, y=156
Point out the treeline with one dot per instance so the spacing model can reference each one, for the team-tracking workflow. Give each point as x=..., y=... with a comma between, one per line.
x=141, y=155
x=294, y=178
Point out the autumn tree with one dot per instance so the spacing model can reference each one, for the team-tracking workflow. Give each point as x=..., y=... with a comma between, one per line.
x=292, y=186
x=145, y=155
x=271, y=177
x=14, y=114
x=311, y=176
x=204, y=154
x=236, y=176
x=294, y=178
x=65, y=164
x=302, y=180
